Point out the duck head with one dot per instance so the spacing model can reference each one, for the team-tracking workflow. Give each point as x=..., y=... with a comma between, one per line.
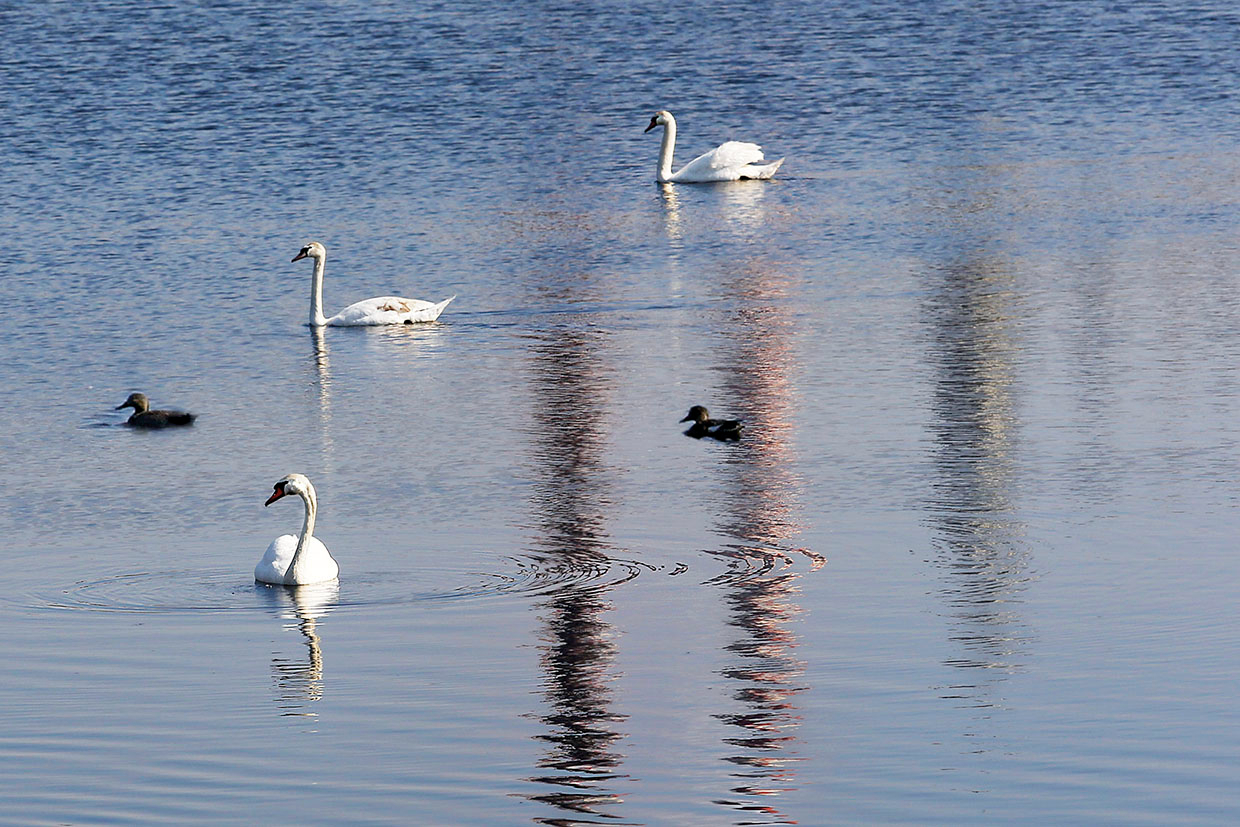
x=697, y=413
x=137, y=401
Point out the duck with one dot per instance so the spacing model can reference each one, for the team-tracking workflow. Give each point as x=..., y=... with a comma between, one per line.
x=730, y=161
x=724, y=430
x=302, y=559
x=381, y=310
x=144, y=417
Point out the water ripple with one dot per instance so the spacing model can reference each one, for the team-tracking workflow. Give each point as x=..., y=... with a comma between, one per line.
x=745, y=563
x=183, y=590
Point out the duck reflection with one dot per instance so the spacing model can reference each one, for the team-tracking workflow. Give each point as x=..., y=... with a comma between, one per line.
x=971, y=315
x=569, y=382
x=760, y=518
x=299, y=683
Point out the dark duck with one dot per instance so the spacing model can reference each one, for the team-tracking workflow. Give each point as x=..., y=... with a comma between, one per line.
x=144, y=417
x=725, y=430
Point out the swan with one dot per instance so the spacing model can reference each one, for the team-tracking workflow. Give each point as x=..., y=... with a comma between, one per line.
x=296, y=560
x=144, y=417
x=723, y=430
x=730, y=161
x=376, y=311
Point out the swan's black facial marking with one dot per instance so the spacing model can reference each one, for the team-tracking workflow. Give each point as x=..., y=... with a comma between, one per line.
x=653, y=123
x=305, y=251
x=277, y=491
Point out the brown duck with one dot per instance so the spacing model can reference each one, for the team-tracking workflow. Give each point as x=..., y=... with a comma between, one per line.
x=144, y=417
x=724, y=430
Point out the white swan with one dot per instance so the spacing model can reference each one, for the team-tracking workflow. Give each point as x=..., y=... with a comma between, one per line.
x=376, y=311
x=730, y=161
x=297, y=560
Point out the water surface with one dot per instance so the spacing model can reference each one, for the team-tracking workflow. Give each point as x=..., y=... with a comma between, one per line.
x=971, y=563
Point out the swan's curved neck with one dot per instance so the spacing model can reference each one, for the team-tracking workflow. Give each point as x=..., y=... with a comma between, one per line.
x=666, y=150
x=317, y=319
x=307, y=531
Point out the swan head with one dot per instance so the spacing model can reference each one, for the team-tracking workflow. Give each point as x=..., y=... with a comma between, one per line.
x=660, y=118
x=697, y=413
x=291, y=484
x=312, y=250
x=137, y=401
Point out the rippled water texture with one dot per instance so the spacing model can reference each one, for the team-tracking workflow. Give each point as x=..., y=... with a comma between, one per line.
x=973, y=560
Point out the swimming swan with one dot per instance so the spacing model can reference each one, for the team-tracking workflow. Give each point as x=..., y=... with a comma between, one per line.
x=297, y=560
x=730, y=161
x=376, y=311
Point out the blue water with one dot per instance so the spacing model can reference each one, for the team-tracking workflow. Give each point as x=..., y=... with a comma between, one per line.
x=973, y=561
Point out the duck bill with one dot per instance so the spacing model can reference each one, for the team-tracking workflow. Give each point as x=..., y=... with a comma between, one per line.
x=687, y=419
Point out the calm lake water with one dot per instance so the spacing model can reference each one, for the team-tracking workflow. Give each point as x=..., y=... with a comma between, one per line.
x=973, y=562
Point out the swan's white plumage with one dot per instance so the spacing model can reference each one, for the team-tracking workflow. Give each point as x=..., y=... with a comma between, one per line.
x=274, y=565
x=381, y=310
x=297, y=560
x=730, y=161
x=388, y=310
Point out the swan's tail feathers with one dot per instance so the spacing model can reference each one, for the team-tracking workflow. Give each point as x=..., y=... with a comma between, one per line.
x=432, y=313
x=763, y=170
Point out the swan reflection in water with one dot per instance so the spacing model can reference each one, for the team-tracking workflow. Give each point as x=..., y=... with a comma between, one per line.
x=672, y=221
x=741, y=205
x=424, y=339
x=759, y=516
x=322, y=382
x=744, y=207
x=298, y=682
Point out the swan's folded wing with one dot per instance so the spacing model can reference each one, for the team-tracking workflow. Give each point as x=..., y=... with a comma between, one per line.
x=384, y=310
x=723, y=163
x=735, y=154
x=271, y=567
